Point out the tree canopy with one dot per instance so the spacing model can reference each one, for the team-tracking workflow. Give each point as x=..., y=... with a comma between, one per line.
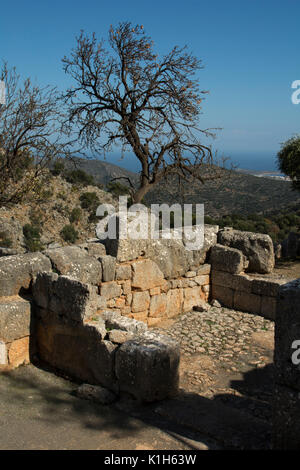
x=289, y=160
x=32, y=134
x=125, y=94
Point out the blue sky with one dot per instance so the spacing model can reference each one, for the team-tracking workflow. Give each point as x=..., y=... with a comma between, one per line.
x=249, y=49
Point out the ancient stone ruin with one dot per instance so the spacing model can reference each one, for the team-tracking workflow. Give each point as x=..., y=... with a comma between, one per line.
x=88, y=310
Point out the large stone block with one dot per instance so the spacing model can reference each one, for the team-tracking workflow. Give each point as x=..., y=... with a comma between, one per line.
x=110, y=290
x=257, y=247
x=240, y=282
x=224, y=258
x=108, y=264
x=76, y=263
x=174, y=302
x=78, y=351
x=19, y=352
x=118, y=322
x=223, y=294
x=64, y=297
x=268, y=287
x=286, y=419
x=15, y=318
x=140, y=301
x=247, y=302
x=287, y=335
x=147, y=367
x=158, y=305
x=17, y=272
x=193, y=296
x=123, y=272
x=268, y=307
x=146, y=274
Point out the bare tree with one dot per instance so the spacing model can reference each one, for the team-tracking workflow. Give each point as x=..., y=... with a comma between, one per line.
x=32, y=134
x=130, y=96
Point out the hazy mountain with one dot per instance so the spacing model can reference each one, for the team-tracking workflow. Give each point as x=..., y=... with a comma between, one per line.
x=235, y=192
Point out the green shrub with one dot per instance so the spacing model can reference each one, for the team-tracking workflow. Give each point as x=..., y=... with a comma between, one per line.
x=58, y=168
x=69, y=234
x=79, y=177
x=89, y=201
x=75, y=215
x=32, y=237
x=117, y=189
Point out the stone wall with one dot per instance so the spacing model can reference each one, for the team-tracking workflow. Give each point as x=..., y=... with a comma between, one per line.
x=286, y=404
x=238, y=290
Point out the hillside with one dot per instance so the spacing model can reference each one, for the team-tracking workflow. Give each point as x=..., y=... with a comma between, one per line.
x=64, y=214
x=235, y=192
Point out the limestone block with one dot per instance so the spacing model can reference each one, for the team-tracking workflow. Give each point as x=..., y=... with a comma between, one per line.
x=146, y=274
x=15, y=318
x=140, y=301
x=147, y=367
x=158, y=305
x=76, y=263
x=110, y=290
x=223, y=294
x=108, y=264
x=224, y=258
x=17, y=272
x=247, y=302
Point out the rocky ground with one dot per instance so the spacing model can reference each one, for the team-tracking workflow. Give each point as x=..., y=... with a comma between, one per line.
x=227, y=358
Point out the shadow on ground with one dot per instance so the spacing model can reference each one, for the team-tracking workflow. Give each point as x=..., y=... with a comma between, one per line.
x=39, y=410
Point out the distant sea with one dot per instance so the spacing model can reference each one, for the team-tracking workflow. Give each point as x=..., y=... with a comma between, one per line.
x=254, y=161
x=246, y=161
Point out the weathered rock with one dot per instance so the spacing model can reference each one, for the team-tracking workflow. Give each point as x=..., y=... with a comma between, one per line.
x=257, y=247
x=123, y=272
x=268, y=287
x=78, y=351
x=110, y=290
x=192, y=298
x=268, y=307
x=224, y=258
x=285, y=418
x=140, y=301
x=146, y=274
x=174, y=302
x=118, y=322
x=147, y=367
x=7, y=251
x=108, y=268
x=287, y=334
x=64, y=297
x=96, y=393
x=17, y=272
x=247, y=302
x=120, y=336
x=204, y=270
x=15, y=318
x=158, y=305
x=76, y=263
x=95, y=249
x=216, y=303
x=18, y=352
